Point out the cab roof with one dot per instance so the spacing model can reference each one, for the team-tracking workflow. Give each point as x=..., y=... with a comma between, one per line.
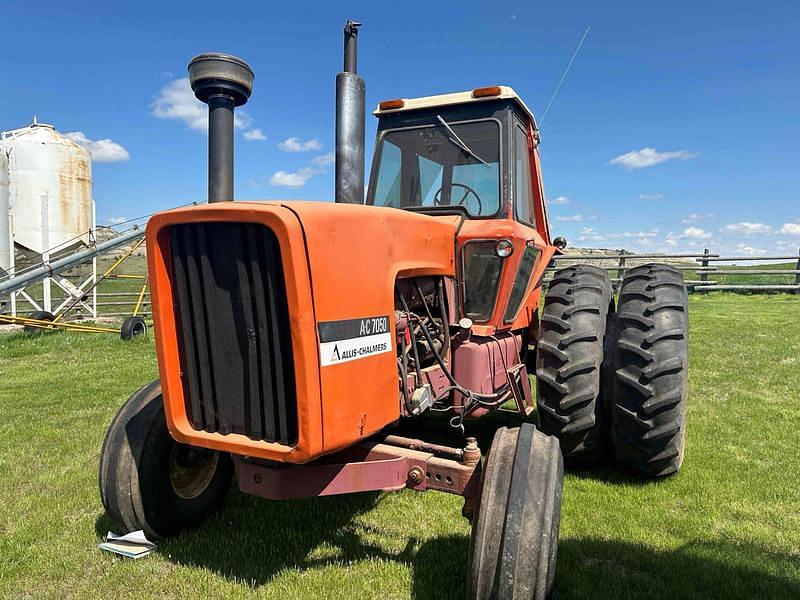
x=467, y=97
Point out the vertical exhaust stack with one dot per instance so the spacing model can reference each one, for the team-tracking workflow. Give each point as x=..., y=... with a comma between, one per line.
x=223, y=82
x=350, y=95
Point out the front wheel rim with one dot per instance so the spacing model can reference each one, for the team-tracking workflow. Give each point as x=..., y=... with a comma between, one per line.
x=191, y=470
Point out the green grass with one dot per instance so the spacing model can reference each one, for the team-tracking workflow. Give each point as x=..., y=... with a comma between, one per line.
x=728, y=526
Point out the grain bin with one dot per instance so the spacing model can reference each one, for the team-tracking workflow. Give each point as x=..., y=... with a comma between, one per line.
x=49, y=188
x=5, y=233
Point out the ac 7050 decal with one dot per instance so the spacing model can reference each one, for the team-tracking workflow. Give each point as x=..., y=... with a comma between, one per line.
x=342, y=341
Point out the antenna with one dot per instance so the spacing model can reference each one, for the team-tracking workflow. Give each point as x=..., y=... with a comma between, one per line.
x=564, y=76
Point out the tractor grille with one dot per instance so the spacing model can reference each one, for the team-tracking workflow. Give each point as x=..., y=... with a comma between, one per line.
x=233, y=329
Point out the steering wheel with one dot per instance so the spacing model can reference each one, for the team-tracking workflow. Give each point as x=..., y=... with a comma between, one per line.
x=467, y=191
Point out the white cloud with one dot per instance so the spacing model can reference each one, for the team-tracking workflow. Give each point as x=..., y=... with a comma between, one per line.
x=650, y=196
x=694, y=217
x=102, y=150
x=574, y=218
x=696, y=233
x=295, y=144
x=591, y=234
x=749, y=250
x=790, y=229
x=254, y=135
x=746, y=228
x=559, y=200
x=176, y=101
x=647, y=157
x=117, y=220
x=301, y=176
x=296, y=179
x=324, y=159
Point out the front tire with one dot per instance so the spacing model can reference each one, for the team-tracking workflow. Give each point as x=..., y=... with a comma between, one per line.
x=515, y=531
x=148, y=480
x=651, y=360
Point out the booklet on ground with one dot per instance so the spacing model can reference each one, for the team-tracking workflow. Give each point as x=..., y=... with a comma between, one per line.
x=133, y=545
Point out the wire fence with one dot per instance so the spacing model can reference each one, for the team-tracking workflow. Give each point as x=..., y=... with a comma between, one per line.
x=703, y=272
x=118, y=294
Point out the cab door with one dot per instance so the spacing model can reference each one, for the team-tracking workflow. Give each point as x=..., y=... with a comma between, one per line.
x=524, y=208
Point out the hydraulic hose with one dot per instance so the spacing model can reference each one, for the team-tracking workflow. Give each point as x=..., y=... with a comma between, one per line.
x=414, y=344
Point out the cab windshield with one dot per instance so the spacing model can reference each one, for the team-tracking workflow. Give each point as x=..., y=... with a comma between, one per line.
x=448, y=164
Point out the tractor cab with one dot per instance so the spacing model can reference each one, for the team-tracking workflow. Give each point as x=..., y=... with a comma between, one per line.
x=473, y=154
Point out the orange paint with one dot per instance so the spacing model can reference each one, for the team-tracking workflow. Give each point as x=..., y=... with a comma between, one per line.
x=348, y=256
x=341, y=262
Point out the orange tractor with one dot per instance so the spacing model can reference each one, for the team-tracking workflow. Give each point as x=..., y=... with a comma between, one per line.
x=292, y=337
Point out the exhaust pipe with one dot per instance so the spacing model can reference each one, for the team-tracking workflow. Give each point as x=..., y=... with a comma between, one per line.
x=223, y=82
x=350, y=98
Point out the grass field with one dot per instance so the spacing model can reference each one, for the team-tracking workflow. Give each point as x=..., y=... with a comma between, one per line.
x=728, y=526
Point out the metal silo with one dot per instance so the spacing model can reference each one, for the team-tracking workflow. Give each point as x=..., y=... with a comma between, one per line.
x=50, y=188
x=49, y=196
x=5, y=231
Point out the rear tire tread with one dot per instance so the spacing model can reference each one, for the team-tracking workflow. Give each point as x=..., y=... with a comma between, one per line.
x=650, y=363
x=574, y=324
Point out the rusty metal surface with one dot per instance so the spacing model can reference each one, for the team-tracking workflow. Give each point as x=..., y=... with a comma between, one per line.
x=366, y=467
x=423, y=446
x=480, y=364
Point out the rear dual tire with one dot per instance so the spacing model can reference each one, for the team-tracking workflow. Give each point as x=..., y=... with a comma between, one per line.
x=151, y=482
x=651, y=357
x=572, y=362
x=616, y=381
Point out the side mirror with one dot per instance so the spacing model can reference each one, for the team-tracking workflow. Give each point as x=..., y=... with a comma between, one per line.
x=560, y=243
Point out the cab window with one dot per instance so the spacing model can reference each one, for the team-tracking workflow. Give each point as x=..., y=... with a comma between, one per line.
x=457, y=164
x=521, y=281
x=523, y=194
x=388, y=183
x=482, y=269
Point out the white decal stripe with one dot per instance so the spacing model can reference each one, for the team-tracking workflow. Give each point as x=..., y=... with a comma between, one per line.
x=332, y=353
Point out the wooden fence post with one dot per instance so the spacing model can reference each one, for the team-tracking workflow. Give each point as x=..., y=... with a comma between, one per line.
x=704, y=264
x=621, y=270
x=797, y=275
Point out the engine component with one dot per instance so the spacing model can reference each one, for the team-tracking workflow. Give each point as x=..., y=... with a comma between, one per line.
x=422, y=398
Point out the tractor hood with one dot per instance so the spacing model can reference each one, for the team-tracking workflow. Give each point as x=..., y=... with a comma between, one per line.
x=242, y=288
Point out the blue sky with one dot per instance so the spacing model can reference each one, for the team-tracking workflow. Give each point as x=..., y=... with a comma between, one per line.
x=676, y=129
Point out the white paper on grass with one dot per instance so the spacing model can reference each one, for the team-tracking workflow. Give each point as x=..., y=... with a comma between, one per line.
x=134, y=537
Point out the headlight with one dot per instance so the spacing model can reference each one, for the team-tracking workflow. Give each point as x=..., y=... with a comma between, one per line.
x=504, y=248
